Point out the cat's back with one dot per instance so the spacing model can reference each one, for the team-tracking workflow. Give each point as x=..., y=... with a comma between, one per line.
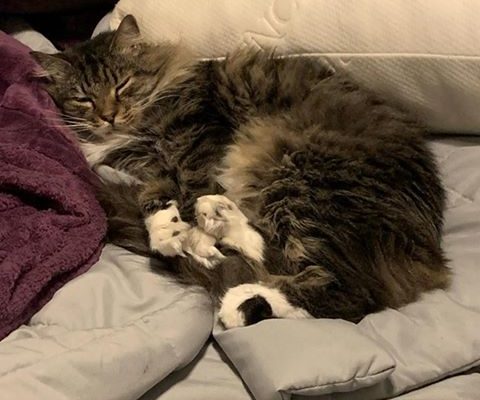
x=307, y=91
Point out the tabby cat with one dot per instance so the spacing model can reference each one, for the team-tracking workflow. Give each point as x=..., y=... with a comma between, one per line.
x=277, y=184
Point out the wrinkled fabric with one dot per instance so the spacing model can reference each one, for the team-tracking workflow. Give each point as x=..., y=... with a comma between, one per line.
x=110, y=334
x=307, y=357
x=51, y=226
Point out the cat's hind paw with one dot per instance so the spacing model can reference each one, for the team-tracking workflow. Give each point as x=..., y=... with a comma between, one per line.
x=201, y=247
x=250, y=303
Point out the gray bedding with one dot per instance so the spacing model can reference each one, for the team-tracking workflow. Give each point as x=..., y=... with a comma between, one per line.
x=211, y=376
x=112, y=333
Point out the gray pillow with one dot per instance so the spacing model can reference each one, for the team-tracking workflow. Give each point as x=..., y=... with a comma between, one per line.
x=312, y=357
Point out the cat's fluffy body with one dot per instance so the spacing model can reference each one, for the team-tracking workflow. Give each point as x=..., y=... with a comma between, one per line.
x=340, y=185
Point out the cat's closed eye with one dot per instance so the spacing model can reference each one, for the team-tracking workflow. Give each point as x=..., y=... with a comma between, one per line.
x=120, y=88
x=83, y=101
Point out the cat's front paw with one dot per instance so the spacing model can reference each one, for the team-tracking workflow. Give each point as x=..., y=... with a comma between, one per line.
x=216, y=215
x=221, y=218
x=167, y=231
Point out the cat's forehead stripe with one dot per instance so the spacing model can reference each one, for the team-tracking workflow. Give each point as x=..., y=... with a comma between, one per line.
x=85, y=74
x=110, y=75
x=100, y=72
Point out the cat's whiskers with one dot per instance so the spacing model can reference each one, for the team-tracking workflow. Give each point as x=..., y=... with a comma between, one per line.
x=79, y=125
x=68, y=120
x=141, y=104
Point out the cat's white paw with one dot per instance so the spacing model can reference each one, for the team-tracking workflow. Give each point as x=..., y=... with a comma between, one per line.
x=211, y=260
x=201, y=247
x=252, y=302
x=167, y=231
x=216, y=215
x=220, y=217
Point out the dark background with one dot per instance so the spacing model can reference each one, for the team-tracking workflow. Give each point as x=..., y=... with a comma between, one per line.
x=64, y=22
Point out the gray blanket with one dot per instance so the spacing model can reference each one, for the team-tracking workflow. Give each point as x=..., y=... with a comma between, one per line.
x=111, y=333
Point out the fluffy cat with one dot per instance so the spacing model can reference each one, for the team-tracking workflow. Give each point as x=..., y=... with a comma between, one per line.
x=313, y=197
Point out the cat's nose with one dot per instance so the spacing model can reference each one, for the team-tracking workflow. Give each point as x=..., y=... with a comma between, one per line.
x=109, y=117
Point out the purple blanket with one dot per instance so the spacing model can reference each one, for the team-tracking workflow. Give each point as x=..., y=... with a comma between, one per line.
x=51, y=226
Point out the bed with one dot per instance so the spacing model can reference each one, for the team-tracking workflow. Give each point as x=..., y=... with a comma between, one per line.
x=122, y=331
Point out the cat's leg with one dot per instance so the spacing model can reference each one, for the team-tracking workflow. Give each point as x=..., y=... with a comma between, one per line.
x=165, y=227
x=221, y=218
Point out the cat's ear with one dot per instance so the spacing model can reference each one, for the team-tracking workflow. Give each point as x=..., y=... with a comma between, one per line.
x=127, y=33
x=54, y=66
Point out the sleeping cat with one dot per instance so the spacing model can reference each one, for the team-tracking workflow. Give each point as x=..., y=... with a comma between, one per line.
x=275, y=183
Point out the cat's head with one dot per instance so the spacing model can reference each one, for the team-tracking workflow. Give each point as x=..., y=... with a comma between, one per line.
x=109, y=82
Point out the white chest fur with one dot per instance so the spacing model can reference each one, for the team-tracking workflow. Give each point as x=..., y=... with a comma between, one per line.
x=95, y=153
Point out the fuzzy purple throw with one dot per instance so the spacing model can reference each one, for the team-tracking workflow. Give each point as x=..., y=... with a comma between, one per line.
x=51, y=226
